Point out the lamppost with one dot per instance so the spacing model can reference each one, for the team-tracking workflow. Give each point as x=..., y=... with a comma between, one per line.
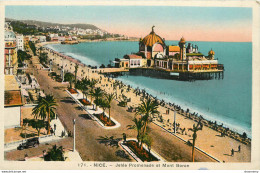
x=174, y=120
x=74, y=135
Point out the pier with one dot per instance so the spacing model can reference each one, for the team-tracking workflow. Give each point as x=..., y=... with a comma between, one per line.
x=165, y=74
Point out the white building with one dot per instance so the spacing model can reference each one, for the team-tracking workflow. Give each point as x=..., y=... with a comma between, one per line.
x=42, y=38
x=19, y=42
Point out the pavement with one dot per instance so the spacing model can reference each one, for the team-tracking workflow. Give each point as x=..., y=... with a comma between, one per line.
x=90, y=142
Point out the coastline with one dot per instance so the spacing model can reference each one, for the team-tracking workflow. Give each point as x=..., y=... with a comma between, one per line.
x=103, y=82
x=209, y=116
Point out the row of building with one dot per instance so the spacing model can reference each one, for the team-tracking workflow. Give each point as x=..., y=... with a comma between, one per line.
x=154, y=53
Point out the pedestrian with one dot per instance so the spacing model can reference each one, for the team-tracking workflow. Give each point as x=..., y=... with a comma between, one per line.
x=232, y=152
x=239, y=148
x=124, y=137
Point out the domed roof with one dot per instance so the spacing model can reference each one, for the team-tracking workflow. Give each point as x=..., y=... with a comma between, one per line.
x=182, y=40
x=9, y=36
x=152, y=38
x=211, y=52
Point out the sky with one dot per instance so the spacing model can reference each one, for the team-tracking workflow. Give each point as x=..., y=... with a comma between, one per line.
x=229, y=24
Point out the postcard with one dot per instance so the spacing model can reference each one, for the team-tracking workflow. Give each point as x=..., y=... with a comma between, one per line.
x=167, y=85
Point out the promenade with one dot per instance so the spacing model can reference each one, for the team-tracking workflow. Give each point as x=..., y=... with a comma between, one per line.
x=88, y=132
x=209, y=140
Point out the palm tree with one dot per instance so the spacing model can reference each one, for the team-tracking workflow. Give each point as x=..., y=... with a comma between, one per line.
x=69, y=77
x=85, y=84
x=45, y=106
x=138, y=127
x=109, y=98
x=103, y=104
x=194, y=136
x=55, y=154
x=97, y=94
x=76, y=71
x=147, y=109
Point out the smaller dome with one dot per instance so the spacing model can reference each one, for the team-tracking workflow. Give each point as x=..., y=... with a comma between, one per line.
x=9, y=36
x=182, y=40
x=211, y=52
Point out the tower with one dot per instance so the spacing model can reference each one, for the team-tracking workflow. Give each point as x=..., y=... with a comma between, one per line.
x=182, y=49
x=211, y=54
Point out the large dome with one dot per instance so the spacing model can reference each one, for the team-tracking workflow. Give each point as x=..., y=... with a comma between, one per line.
x=152, y=38
x=10, y=36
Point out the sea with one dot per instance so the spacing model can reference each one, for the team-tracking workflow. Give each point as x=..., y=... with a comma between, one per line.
x=227, y=101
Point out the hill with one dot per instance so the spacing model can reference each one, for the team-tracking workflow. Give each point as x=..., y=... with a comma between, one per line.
x=49, y=24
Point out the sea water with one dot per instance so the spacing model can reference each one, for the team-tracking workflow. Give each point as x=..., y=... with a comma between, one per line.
x=227, y=101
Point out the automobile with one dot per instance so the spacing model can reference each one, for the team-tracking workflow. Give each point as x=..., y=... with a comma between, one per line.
x=29, y=143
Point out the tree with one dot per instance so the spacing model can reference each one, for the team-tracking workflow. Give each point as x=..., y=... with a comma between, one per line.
x=43, y=58
x=33, y=48
x=69, y=77
x=84, y=86
x=55, y=154
x=38, y=125
x=194, y=136
x=76, y=71
x=103, y=104
x=22, y=56
x=109, y=98
x=138, y=127
x=147, y=109
x=25, y=125
x=46, y=106
x=97, y=94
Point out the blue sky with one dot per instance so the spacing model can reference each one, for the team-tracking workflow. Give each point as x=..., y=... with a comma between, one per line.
x=137, y=20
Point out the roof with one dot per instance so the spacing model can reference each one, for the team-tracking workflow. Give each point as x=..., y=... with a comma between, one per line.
x=13, y=98
x=11, y=83
x=10, y=36
x=152, y=38
x=194, y=54
x=133, y=56
x=174, y=49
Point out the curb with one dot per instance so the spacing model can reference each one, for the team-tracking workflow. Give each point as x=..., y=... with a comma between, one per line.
x=94, y=117
x=160, y=159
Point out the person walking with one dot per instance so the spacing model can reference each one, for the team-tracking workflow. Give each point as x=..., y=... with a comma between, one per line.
x=239, y=148
x=232, y=152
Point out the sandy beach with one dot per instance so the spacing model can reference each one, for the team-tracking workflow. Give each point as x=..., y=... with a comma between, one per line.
x=210, y=141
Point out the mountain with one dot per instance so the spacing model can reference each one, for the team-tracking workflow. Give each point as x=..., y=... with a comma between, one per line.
x=49, y=24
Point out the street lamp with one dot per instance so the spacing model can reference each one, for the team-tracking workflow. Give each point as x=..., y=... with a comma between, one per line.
x=174, y=120
x=74, y=135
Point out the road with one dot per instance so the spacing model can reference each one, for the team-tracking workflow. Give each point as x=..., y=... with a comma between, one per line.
x=88, y=132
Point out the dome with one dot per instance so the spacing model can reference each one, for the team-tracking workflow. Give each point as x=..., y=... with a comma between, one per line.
x=9, y=36
x=211, y=52
x=152, y=38
x=182, y=40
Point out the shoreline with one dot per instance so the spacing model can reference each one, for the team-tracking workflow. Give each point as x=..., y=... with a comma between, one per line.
x=208, y=120
x=226, y=122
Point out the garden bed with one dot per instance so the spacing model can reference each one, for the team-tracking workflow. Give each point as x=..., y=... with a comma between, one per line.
x=72, y=91
x=142, y=154
x=104, y=119
x=84, y=102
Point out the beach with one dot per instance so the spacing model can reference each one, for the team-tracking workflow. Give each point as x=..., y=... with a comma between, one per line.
x=209, y=141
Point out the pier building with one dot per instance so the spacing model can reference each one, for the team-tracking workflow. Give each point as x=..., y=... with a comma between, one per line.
x=182, y=61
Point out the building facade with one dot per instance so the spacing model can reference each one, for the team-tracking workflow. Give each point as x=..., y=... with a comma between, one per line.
x=20, y=42
x=10, y=54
